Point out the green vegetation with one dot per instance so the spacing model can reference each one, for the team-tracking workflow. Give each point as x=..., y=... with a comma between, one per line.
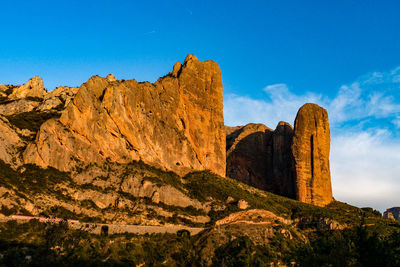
x=155, y=175
x=206, y=186
x=46, y=244
x=367, y=239
x=31, y=179
x=37, y=244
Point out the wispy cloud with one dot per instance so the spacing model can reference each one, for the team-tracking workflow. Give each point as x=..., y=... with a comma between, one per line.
x=364, y=117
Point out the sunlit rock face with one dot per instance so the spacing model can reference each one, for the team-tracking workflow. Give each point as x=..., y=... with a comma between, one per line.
x=175, y=124
x=311, y=147
x=33, y=88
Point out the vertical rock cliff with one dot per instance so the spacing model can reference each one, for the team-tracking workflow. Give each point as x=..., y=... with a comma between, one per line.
x=311, y=147
x=248, y=151
x=176, y=123
x=291, y=163
x=284, y=175
x=261, y=157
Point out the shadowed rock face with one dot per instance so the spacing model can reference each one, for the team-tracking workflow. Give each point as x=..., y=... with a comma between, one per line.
x=248, y=153
x=311, y=147
x=175, y=124
x=291, y=163
x=282, y=161
x=259, y=156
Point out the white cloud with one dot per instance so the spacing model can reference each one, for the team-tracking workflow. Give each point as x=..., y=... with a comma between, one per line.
x=365, y=160
x=282, y=105
x=365, y=169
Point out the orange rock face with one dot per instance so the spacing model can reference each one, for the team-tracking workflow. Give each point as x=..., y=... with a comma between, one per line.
x=311, y=147
x=176, y=123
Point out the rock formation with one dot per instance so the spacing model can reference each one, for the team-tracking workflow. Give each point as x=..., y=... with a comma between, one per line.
x=247, y=154
x=283, y=177
x=259, y=156
x=292, y=163
x=175, y=124
x=311, y=147
x=392, y=213
x=11, y=143
x=33, y=88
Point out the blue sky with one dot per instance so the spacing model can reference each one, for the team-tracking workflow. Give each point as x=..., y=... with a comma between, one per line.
x=274, y=56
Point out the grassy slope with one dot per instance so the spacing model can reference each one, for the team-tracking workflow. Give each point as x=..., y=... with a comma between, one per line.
x=204, y=186
x=57, y=244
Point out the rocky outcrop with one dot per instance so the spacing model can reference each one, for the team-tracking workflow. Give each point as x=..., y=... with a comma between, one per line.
x=175, y=124
x=311, y=147
x=11, y=143
x=33, y=88
x=392, y=213
x=291, y=163
x=59, y=98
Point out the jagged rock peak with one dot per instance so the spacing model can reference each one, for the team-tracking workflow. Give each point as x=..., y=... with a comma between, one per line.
x=177, y=68
x=33, y=88
x=175, y=124
x=111, y=78
x=190, y=57
x=311, y=148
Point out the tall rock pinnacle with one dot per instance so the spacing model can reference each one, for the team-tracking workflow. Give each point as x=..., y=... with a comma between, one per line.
x=311, y=146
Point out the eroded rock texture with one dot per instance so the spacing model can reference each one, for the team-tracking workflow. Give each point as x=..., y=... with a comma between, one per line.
x=311, y=147
x=175, y=124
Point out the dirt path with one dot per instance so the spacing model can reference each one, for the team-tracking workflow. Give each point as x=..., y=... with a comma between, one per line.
x=95, y=228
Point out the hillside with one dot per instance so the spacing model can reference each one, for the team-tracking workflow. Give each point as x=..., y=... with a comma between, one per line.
x=275, y=228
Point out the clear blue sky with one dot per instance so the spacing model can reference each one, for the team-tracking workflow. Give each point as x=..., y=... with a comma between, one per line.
x=309, y=45
x=274, y=56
